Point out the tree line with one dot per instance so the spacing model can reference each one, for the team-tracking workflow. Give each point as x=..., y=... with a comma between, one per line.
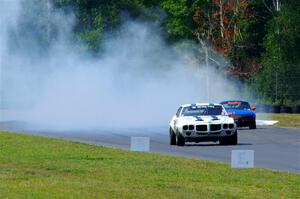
x=259, y=38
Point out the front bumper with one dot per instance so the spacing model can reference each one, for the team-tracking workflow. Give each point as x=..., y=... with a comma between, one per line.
x=244, y=121
x=205, y=138
x=212, y=132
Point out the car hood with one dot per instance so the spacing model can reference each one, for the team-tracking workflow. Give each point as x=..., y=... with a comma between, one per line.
x=206, y=119
x=241, y=112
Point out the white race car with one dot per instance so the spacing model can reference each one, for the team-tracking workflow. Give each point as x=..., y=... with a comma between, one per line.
x=202, y=122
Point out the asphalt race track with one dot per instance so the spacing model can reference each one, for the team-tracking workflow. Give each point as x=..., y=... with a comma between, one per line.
x=274, y=148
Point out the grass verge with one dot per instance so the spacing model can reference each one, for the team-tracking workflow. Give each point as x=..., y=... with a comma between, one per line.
x=38, y=167
x=284, y=120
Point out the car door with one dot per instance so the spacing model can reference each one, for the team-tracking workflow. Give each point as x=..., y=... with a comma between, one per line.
x=175, y=118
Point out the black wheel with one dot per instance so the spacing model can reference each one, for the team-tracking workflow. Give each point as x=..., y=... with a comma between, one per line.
x=231, y=140
x=180, y=141
x=172, y=137
x=253, y=125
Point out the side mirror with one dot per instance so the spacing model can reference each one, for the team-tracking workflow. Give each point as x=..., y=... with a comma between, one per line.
x=253, y=108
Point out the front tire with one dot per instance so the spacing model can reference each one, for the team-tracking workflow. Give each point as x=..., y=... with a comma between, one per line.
x=234, y=139
x=172, y=137
x=180, y=141
x=253, y=125
x=231, y=140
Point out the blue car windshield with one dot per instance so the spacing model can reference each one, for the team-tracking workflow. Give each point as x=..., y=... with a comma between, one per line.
x=203, y=110
x=236, y=105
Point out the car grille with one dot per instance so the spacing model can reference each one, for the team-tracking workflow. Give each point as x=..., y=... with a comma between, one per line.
x=215, y=133
x=215, y=127
x=201, y=128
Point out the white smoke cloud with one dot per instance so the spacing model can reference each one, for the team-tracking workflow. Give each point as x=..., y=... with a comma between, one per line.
x=137, y=81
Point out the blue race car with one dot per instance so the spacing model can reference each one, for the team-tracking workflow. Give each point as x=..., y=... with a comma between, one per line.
x=241, y=112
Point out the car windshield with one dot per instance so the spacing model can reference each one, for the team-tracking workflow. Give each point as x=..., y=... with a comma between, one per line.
x=236, y=105
x=203, y=110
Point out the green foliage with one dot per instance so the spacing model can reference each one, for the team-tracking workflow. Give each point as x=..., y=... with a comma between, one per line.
x=278, y=81
x=94, y=18
x=265, y=47
x=179, y=23
x=249, y=45
x=91, y=38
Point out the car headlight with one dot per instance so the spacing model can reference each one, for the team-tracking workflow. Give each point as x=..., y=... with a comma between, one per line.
x=185, y=127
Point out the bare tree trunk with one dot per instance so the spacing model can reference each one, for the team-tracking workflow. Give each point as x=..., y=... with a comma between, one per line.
x=277, y=5
x=273, y=8
x=210, y=28
x=205, y=48
x=48, y=5
x=221, y=19
x=235, y=15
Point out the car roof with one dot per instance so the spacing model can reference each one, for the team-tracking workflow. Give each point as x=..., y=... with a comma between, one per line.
x=200, y=104
x=233, y=101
